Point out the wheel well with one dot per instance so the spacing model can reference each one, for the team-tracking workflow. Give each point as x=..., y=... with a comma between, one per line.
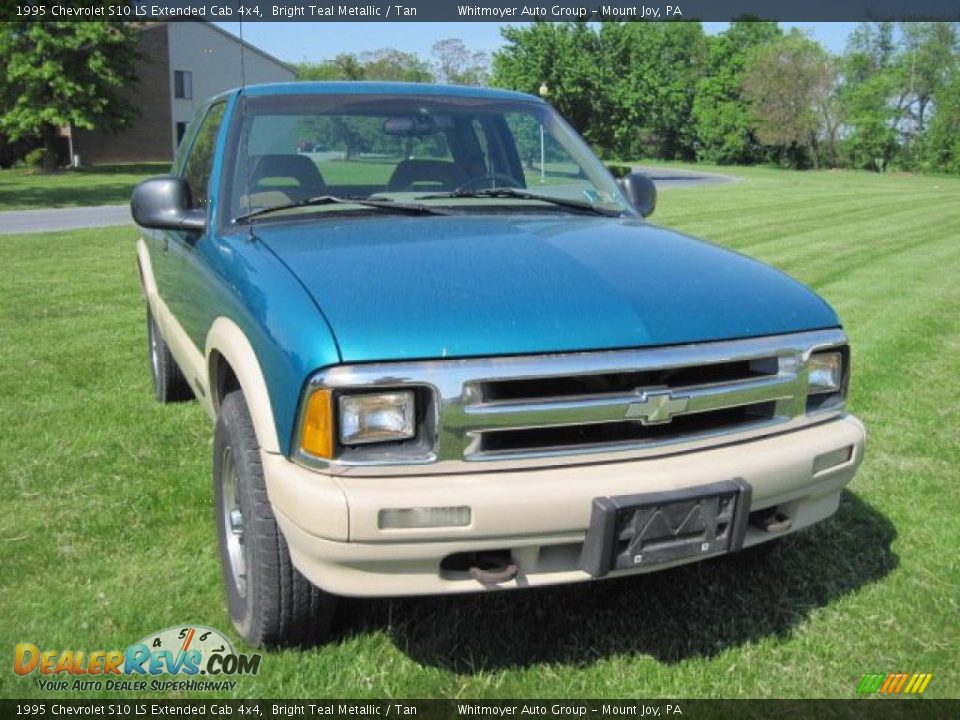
x=223, y=380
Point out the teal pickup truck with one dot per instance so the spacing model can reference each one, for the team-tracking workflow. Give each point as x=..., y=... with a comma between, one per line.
x=445, y=352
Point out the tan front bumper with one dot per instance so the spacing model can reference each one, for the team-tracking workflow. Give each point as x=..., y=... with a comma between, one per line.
x=540, y=516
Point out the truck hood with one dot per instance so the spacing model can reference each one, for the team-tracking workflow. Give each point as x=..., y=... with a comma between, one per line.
x=394, y=287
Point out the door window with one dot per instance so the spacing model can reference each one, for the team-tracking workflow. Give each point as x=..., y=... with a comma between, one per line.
x=200, y=160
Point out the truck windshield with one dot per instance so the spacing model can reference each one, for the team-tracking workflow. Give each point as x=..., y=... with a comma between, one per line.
x=438, y=151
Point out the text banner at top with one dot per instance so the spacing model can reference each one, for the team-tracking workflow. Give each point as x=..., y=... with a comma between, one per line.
x=481, y=10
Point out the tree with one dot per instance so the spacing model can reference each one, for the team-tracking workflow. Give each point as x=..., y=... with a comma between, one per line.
x=345, y=66
x=873, y=94
x=564, y=57
x=720, y=113
x=383, y=64
x=870, y=49
x=65, y=73
x=456, y=65
x=943, y=145
x=395, y=65
x=927, y=63
x=650, y=107
x=784, y=84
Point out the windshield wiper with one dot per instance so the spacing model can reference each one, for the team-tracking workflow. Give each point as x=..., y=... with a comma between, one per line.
x=389, y=205
x=516, y=194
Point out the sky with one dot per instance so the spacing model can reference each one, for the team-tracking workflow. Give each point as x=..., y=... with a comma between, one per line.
x=295, y=42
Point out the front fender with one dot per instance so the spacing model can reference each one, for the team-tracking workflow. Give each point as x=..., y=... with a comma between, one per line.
x=228, y=340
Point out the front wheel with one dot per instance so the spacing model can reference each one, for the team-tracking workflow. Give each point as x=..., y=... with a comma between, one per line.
x=270, y=602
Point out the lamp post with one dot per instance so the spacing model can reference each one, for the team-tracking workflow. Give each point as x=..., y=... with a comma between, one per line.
x=544, y=91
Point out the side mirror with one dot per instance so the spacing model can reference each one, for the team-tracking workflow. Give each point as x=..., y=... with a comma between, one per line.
x=163, y=203
x=640, y=191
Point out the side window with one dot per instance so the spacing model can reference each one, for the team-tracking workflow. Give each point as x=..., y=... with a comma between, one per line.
x=199, y=163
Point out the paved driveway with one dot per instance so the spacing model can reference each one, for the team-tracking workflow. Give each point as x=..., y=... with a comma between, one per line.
x=53, y=219
x=665, y=178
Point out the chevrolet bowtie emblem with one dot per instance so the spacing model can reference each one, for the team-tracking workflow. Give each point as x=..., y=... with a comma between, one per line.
x=656, y=407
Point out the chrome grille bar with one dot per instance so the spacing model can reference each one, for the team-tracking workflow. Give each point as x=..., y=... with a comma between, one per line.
x=506, y=415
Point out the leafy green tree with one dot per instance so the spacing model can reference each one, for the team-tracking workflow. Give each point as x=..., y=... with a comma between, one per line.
x=643, y=111
x=784, y=83
x=927, y=62
x=563, y=56
x=65, y=73
x=457, y=65
x=720, y=112
x=873, y=94
x=345, y=66
x=384, y=64
x=395, y=65
x=871, y=120
x=871, y=48
x=651, y=106
x=943, y=142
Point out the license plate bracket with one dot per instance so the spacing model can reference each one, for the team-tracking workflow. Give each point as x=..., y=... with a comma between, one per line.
x=630, y=531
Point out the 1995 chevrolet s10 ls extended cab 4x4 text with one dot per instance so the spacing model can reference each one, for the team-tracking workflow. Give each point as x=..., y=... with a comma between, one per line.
x=445, y=352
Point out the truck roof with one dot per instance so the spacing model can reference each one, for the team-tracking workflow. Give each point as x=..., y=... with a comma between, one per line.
x=366, y=87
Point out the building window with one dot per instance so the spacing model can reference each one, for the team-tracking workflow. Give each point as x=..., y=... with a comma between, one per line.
x=183, y=84
x=181, y=131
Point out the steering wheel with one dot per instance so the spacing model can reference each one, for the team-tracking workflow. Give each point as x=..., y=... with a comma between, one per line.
x=493, y=179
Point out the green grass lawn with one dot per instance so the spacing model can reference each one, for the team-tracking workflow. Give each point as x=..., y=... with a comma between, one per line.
x=98, y=185
x=107, y=533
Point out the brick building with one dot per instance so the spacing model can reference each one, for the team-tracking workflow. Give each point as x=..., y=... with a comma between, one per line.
x=182, y=64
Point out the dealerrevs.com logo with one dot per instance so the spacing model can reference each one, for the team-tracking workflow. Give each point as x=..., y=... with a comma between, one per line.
x=201, y=657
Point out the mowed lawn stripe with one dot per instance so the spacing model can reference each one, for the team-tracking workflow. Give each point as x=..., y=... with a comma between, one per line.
x=774, y=203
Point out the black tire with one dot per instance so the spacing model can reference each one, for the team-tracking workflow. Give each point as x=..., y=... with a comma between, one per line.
x=270, y=603
x=169, y=383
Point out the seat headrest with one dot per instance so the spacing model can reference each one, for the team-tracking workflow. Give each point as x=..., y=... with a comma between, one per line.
x=297, y=167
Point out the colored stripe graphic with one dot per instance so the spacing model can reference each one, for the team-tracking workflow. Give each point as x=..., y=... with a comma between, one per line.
x=871, y=683
x=894, y=683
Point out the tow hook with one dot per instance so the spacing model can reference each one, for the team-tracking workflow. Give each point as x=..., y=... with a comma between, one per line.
x=771, y=521
x=492, y=569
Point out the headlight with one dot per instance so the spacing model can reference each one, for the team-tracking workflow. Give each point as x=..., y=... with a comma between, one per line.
x=381, y=417
x=825, y=373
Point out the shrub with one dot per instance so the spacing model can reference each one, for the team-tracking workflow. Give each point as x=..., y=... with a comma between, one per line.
x=34, y=158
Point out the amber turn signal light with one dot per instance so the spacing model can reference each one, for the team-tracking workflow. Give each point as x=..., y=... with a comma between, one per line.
x=316, y=436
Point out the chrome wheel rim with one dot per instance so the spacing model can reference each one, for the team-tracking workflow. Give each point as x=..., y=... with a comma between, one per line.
x=232, y=520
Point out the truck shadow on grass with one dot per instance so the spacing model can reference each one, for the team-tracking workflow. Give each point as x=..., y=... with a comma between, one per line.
x=697, y=610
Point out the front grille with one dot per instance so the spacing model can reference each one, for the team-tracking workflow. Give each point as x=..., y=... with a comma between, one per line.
x=546, y=410
x=630, y=407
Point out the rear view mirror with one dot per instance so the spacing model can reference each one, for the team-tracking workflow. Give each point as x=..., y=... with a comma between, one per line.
x=640, y=191
x=415, y=125
x=163, y=203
